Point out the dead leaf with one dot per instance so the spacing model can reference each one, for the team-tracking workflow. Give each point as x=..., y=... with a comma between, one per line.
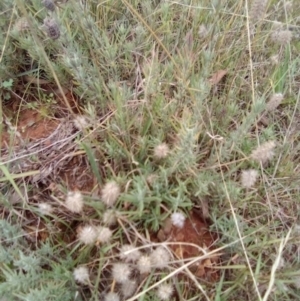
x=217, y=77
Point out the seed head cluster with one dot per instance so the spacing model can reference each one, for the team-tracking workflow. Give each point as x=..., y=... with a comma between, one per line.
x=282, y=37
x=203, y=31
x=288, y=6
x=87, y=234
x=178, y=219
x=129, y=253
x=21, y=25
x=161, y=151
x=104, y=234
x=110, y=217
x=164, y=291
x=274, y=101
x=144, y=264
x=45, y=208
x=128, y=288
x=52, y=28
x=74, y=201
x=121, y=272
x=160, y=258
x=49, y=4
x=110, y=193
x=81, y=122
x=264, y=152
x=257, y=10
x=249, y=177
x=81, y=275
x=111, y=296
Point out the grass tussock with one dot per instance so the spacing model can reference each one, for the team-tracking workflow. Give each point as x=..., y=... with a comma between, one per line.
x=129, y=126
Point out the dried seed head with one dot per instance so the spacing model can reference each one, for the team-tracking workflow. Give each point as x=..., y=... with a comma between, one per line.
x=160, y=258
x=274, y=101
x=161, y=151
x=52, y=28
x=128, y=288
x=297, y=282
x=264, y=152
x=49, y=4
x=21, y=25
x=104, y=234
x=110, y=217
x=288, y=6
x=144, y=264
x=278, y=25
x=282, y=37
x=257, y=11
x=74, y=201
x=203, y=31
x=178, y=219
x=45, y=208
x=81, y=275
x=151, y=178
x=129, y=253
x=274, y=59
x=164, y=291
x=81, y=122
x=111, y=296
x=249, y=177
x=87, y=235
x=121, y=272
x=110, y=193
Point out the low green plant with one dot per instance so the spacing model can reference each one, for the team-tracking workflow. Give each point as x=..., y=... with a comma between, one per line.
x=147, y=129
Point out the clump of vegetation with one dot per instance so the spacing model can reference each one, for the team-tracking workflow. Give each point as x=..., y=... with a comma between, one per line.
x=126, y=126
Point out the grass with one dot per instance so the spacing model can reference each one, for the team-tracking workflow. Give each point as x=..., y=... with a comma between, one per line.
x=167, y=134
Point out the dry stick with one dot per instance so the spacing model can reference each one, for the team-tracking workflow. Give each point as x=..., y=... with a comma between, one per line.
x=275, y=265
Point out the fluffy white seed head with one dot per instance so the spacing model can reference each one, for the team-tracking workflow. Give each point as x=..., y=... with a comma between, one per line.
x=203, y=31
x=249, y=177
x=288, y=6
x=88, y=235
x=110, y=217
x=275, y=59
x=104, y=234
x=274, y=101
x=128, y=288
x=21, y=25
x=81, y=275
x=111, y=296
x=144, y=264
x=264, y=152
x=121, y=272
x=161, y=151
x=110, y=193
x=297, y=282
x=129, y=253
x=178, y=219
x=45, y=208
x=282, y=37
x=151, y=179
x=160, y=258
x=165, y=291
x=257, y=10
x=81, y=122
x=74, y=201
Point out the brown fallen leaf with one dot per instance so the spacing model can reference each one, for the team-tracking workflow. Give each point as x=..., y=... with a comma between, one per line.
x=217, y=77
